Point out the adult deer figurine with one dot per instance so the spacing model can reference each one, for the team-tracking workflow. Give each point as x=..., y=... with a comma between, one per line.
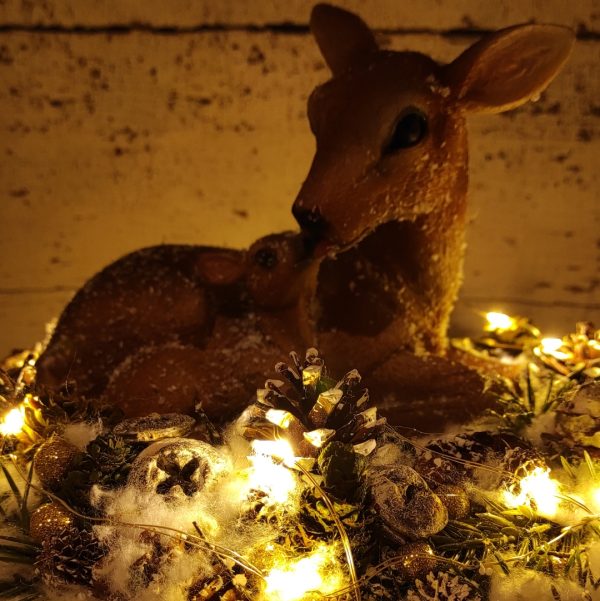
x=382, y=213
x=386, y=193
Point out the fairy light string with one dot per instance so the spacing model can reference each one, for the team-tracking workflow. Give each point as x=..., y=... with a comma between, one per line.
x=530, y=519
x=227, y=553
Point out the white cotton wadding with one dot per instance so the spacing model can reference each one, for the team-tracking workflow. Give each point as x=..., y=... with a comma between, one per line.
x=154, y=550
x=544, y=423
x=134, y=569
x=55, y=592
x=80, y=434
x=391, y=453
x=525, y=585
x=143, y=563
x=239, y=448
x=489, y=475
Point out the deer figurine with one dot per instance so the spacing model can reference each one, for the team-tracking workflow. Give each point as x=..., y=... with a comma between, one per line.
x=373, y=275
x=385, y=199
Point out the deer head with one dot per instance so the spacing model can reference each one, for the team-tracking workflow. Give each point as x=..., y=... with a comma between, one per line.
x=389, y=177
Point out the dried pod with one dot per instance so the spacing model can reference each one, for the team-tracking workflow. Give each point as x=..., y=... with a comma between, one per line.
x=155, y=427
x=454, y=460
x=407, y=507
x=178, y=468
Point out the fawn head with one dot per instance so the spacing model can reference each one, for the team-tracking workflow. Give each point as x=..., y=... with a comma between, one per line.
x=390, y=127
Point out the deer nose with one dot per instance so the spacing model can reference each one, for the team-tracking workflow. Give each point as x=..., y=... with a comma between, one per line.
x=311, y=222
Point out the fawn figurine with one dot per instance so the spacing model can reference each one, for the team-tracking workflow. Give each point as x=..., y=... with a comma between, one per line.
x=373, y=275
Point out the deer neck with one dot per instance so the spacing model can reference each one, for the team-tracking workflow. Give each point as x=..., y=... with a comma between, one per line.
x=393, y=289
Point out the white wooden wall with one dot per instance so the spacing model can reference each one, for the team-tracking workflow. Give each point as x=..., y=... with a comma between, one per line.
x=126, y=123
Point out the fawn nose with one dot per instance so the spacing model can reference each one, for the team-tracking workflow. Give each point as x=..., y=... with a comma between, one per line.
x=311, y=222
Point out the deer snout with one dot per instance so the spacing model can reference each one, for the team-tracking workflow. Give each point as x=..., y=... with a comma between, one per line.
x=311, y=223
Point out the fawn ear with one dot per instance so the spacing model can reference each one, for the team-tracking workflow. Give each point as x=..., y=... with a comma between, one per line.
x=509, y=67
x=220, y=267
x=343, y=37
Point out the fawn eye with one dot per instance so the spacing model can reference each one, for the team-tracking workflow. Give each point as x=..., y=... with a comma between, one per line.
x=266, y=258
x=409, y=130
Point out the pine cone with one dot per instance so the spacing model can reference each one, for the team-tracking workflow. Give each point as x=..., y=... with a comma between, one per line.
x=578, y=420
x=106, y=462
x=443, y=586
x=453, y=460
x=313, y=409
x=67, y=405
x=218, y=587
x=70, y=557
x=108, y=459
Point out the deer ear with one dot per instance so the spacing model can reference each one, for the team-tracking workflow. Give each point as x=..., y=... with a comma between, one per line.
x=505, y=69
x=343, y=38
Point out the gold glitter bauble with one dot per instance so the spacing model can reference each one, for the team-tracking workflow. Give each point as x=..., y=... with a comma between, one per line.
x=52, y=461
x=455, y=499
x=415, y=560
x=49, y=521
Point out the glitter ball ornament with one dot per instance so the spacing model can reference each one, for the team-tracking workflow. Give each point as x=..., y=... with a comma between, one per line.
x=455, y=499
x=49, y=521
x=53, y=460
x=415, y=560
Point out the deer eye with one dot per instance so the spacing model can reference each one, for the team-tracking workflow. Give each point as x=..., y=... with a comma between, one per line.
x=266, y=258
x=409, y=130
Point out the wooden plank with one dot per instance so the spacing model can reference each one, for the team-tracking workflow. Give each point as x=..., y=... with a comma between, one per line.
x=110, y=143
x=25, y=317
x=425, y=14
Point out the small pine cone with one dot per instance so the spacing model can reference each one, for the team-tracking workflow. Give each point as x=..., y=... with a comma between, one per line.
x=70, y=557
x=443, y=586
x=455, y=460
x=108, y=459
x=219, y=587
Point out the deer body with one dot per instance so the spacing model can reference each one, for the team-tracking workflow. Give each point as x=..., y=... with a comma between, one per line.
x=424, y=196
x=172, y=327
x=382, y=215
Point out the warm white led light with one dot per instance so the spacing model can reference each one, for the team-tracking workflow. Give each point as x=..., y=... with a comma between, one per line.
x=12, y=423
x=552, y=346
x=536, y=490
x=292, y=579
x=498, y=321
